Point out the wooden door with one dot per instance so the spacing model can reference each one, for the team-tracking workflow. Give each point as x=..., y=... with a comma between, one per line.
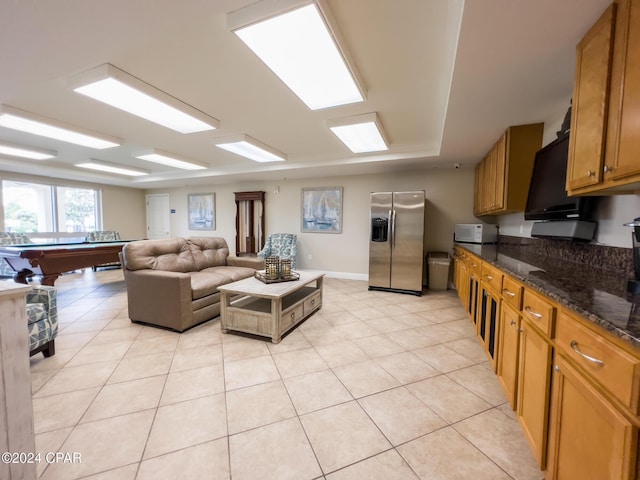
x=623, y=141
x=534, y=374
x=588, y=438
x=509, y=341
x=590, y=104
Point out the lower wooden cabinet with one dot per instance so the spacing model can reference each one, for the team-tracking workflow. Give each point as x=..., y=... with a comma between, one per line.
x=588, y=437
x=534, y=375
x=508, y=352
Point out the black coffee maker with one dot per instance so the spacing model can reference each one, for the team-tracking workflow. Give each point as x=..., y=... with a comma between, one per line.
x=633, y=285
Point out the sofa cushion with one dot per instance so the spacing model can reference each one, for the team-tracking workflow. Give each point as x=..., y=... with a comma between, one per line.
x=168, y=254
x=233, y=273
x=208, y=251
x=207, y=282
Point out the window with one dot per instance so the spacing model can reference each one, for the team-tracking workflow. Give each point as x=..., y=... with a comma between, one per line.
x=39, y=208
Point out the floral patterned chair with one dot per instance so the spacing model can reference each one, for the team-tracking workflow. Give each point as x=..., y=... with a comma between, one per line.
x=10, y=238
x=103, y=236
x=42, y=319
x=281, y=244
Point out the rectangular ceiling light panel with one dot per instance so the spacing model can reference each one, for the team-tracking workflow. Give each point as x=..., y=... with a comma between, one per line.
x=170, y=160
x=250, y=148
x=360, y=133
x=112, y=168
x=299, y=47
x=14, y=150
x=28, y=122
x=117, y=88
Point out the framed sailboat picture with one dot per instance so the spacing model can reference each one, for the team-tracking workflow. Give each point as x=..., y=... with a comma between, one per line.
x=202, y=211
x=322, y=210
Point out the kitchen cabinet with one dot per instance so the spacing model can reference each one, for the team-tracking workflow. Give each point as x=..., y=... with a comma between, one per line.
x=503, y=176
x=534, y=374
x=593, y=430
x=574, y=386
x=605, y=145
x=508, y=351
x=461, y=276
x=588, y=437
x=489, y=310
x=590, y=104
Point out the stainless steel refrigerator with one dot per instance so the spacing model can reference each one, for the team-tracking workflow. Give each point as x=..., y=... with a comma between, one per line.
x=396, y=258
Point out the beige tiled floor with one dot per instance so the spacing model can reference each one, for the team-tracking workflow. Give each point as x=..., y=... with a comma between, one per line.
x=375, y=385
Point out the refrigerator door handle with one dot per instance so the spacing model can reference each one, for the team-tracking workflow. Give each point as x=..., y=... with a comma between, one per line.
x=393, y=229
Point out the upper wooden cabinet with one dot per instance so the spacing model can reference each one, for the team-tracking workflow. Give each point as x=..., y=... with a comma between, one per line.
x=604, y=150
x=590, y=104
x=503, y=176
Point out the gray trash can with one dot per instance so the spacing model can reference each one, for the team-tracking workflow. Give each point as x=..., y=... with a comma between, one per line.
x=438, y=266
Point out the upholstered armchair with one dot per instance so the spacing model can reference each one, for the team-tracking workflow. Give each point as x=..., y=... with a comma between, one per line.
x=42, y=318
x=280, y=244
x=103, y=236
x=10, y=238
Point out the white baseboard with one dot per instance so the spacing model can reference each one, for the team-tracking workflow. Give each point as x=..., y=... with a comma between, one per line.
x=343, y=275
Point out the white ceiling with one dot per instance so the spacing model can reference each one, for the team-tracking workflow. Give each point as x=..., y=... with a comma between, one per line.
x=441, y=97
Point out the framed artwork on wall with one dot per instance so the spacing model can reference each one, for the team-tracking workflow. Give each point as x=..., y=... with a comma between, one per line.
x=322, y=210
x=202, y=211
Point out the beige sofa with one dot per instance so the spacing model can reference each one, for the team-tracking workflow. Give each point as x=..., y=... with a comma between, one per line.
x=174, y=282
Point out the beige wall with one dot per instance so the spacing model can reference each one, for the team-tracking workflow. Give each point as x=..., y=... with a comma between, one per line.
x=123, y=208
x=449, y=194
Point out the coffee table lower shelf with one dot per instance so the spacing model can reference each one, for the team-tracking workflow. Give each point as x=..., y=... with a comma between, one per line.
x=269, y=317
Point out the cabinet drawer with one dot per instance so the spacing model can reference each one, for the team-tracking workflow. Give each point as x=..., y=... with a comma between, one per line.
x=492, y=277
x=291, y=316
x=539, y=311
x=475, y=265
x=610, y=366
x=512, y=292
x=313, y=302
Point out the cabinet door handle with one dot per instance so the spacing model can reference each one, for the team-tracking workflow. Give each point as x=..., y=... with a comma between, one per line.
x=489, y=277
x=574, y=346
x=293, y=315
x=591, y=173
x=532, y=313
x=507, y=292
x=608, y=169
x=512, y=323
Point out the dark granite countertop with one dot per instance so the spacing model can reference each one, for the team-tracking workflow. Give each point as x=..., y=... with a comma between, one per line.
x=596, y=294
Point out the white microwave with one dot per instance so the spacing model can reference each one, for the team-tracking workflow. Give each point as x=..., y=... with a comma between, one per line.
x=475, y=233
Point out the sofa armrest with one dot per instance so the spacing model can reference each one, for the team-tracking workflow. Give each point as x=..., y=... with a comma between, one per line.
x=159, y=297
x=250, y=262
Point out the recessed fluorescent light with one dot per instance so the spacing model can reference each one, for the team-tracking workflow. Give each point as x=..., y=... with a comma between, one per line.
x=170, y=160
x=360, y=133
x=31, y=123
x=14, y=150
x=250, y=148
x=301, y=48
x=117, y=88
x=112, y=168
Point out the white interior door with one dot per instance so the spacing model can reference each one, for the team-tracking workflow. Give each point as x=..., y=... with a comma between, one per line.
x=158, y=216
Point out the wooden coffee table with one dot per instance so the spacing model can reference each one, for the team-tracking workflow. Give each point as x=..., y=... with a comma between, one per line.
x=269, y=310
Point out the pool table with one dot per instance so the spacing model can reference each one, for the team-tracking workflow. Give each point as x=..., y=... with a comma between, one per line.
x=51, y=261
